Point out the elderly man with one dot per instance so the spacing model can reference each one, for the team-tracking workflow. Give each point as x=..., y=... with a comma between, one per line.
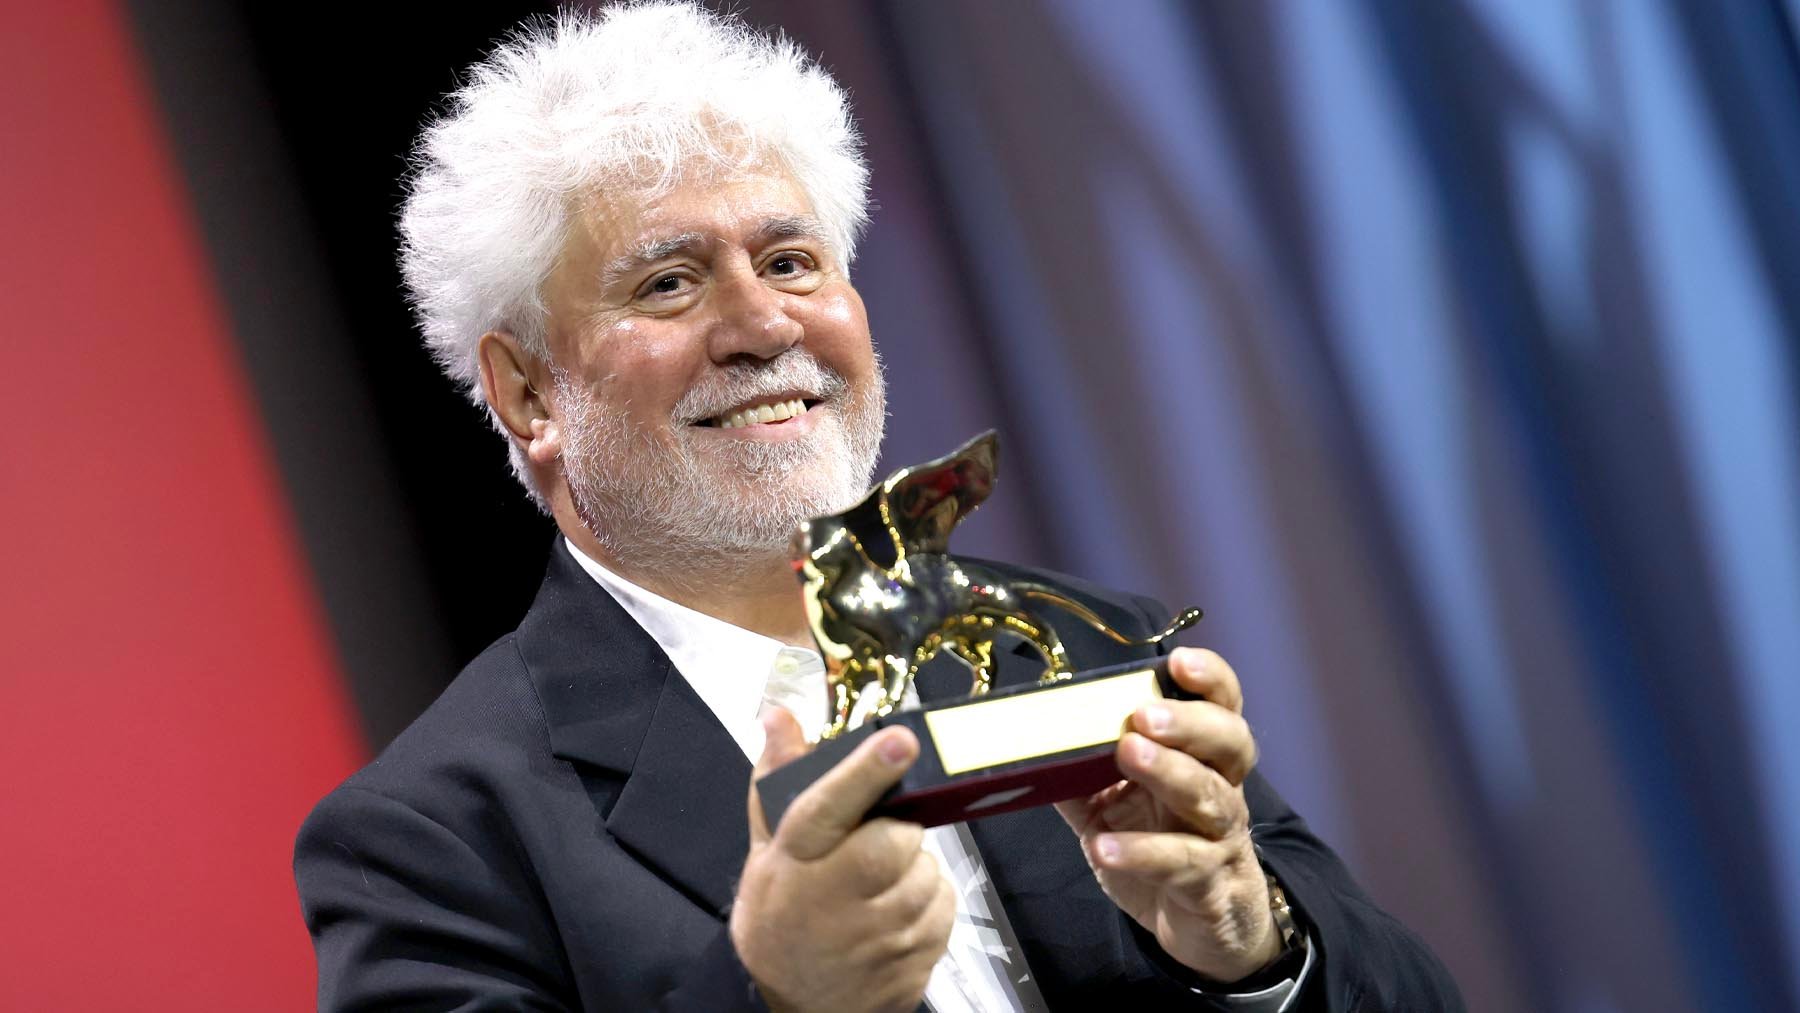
x=629, y=239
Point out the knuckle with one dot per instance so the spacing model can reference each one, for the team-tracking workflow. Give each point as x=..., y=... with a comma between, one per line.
x=1243, y=754
x=940, y=917
x=925, y=874
x=1237, y=726
x=805, y=827
x=910, y=939
x=1200, y=864
x=1237, y=818
x=913, y=894
x=906, y=837
x=871, y=869
x=881, y=852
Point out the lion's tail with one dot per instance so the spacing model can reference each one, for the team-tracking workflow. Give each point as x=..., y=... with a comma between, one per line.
x=1188, y=617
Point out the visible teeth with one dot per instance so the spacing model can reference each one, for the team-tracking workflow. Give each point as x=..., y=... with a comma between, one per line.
x=778, y=411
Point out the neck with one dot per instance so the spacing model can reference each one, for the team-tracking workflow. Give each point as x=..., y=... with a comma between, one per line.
x=753, y=592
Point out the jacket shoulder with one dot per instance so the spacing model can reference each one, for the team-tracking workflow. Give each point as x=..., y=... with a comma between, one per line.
x=413, y=879
x=484, y=727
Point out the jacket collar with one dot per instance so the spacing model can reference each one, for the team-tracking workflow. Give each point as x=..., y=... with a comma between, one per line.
x=613, y=701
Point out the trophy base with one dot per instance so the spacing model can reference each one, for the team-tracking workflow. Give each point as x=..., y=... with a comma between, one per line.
x=1014, y=748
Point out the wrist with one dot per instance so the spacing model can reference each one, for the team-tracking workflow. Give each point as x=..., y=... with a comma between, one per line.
x=1288, y=943
x=1278, y=944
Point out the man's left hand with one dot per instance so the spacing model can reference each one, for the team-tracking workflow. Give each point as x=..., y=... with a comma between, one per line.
x=1170, y=844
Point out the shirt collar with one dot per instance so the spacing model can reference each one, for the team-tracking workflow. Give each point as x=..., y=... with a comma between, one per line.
x=728, y=666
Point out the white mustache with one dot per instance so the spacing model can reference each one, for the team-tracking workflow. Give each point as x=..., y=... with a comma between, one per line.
x=791, y=372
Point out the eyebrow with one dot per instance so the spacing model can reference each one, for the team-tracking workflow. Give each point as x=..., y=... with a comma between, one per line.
x=649, y=251
x=790, y=227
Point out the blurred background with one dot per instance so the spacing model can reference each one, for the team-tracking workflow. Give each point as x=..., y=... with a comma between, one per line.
x=1445, y=351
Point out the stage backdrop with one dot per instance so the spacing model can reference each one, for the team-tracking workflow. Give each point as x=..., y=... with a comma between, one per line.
x=1443, y=350
x=172, y=702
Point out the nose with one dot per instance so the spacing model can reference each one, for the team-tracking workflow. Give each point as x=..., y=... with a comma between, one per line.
x=752, y=319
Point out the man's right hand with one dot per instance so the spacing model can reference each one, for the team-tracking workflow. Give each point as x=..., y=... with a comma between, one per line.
x=833, y=913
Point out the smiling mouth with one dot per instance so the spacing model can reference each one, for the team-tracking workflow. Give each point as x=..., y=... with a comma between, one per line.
x=765, y=413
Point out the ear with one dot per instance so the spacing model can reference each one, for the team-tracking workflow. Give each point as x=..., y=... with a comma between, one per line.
x=513, y=382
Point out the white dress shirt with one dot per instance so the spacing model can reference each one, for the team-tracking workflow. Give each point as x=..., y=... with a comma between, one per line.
x=738, y=673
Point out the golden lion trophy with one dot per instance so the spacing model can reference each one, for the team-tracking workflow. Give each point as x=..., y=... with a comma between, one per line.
x=884, y=596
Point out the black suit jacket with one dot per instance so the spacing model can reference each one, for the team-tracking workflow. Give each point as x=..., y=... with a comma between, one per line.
x=563, y=828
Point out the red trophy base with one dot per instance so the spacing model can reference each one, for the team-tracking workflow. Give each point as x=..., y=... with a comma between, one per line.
x=1014, y=748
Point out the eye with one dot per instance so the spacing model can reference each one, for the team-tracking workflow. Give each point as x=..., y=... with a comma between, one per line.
x=789, y=265
x=663, y=287
x=793, y=271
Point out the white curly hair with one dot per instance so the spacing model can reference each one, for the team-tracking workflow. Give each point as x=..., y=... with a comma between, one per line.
x=630, y=99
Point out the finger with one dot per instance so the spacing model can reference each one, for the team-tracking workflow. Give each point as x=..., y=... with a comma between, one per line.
x=877, y=854
x=1204, y=673
x=1131, y=810
x=906, y=899
x=1076, y=812
x=782, y=743
x=1215, y=736
x=925, y=936
x=939, y=919
x=834, y=805
x=1168, y=859
x=1081, y=813
x=1197, y=794
x=900, y=925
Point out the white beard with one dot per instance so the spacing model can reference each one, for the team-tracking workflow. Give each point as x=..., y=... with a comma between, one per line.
x=689, y=506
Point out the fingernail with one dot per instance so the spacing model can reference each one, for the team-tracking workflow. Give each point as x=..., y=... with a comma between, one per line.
x=1157, y=716
x=893, y=749
x=1108, y=848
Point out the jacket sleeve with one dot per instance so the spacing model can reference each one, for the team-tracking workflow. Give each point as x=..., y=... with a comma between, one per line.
x=404, y=914
x=407, y=915
x=1367, y=960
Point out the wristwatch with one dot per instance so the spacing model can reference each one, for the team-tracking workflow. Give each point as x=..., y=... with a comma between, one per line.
x=1284, y=915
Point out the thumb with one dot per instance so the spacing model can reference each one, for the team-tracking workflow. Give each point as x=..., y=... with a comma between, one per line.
x=783, y=742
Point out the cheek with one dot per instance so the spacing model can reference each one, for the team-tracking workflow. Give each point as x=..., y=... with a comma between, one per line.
x=639, y=362
x=839, y=327
x=844, y=308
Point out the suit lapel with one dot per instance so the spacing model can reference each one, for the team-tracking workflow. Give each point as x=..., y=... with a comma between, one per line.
x=613, y=702
x=682, y=810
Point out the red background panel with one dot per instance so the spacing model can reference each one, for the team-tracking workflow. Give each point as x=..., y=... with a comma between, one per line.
x=171, y=703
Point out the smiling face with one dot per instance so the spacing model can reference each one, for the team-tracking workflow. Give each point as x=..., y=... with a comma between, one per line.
x=713, y=379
